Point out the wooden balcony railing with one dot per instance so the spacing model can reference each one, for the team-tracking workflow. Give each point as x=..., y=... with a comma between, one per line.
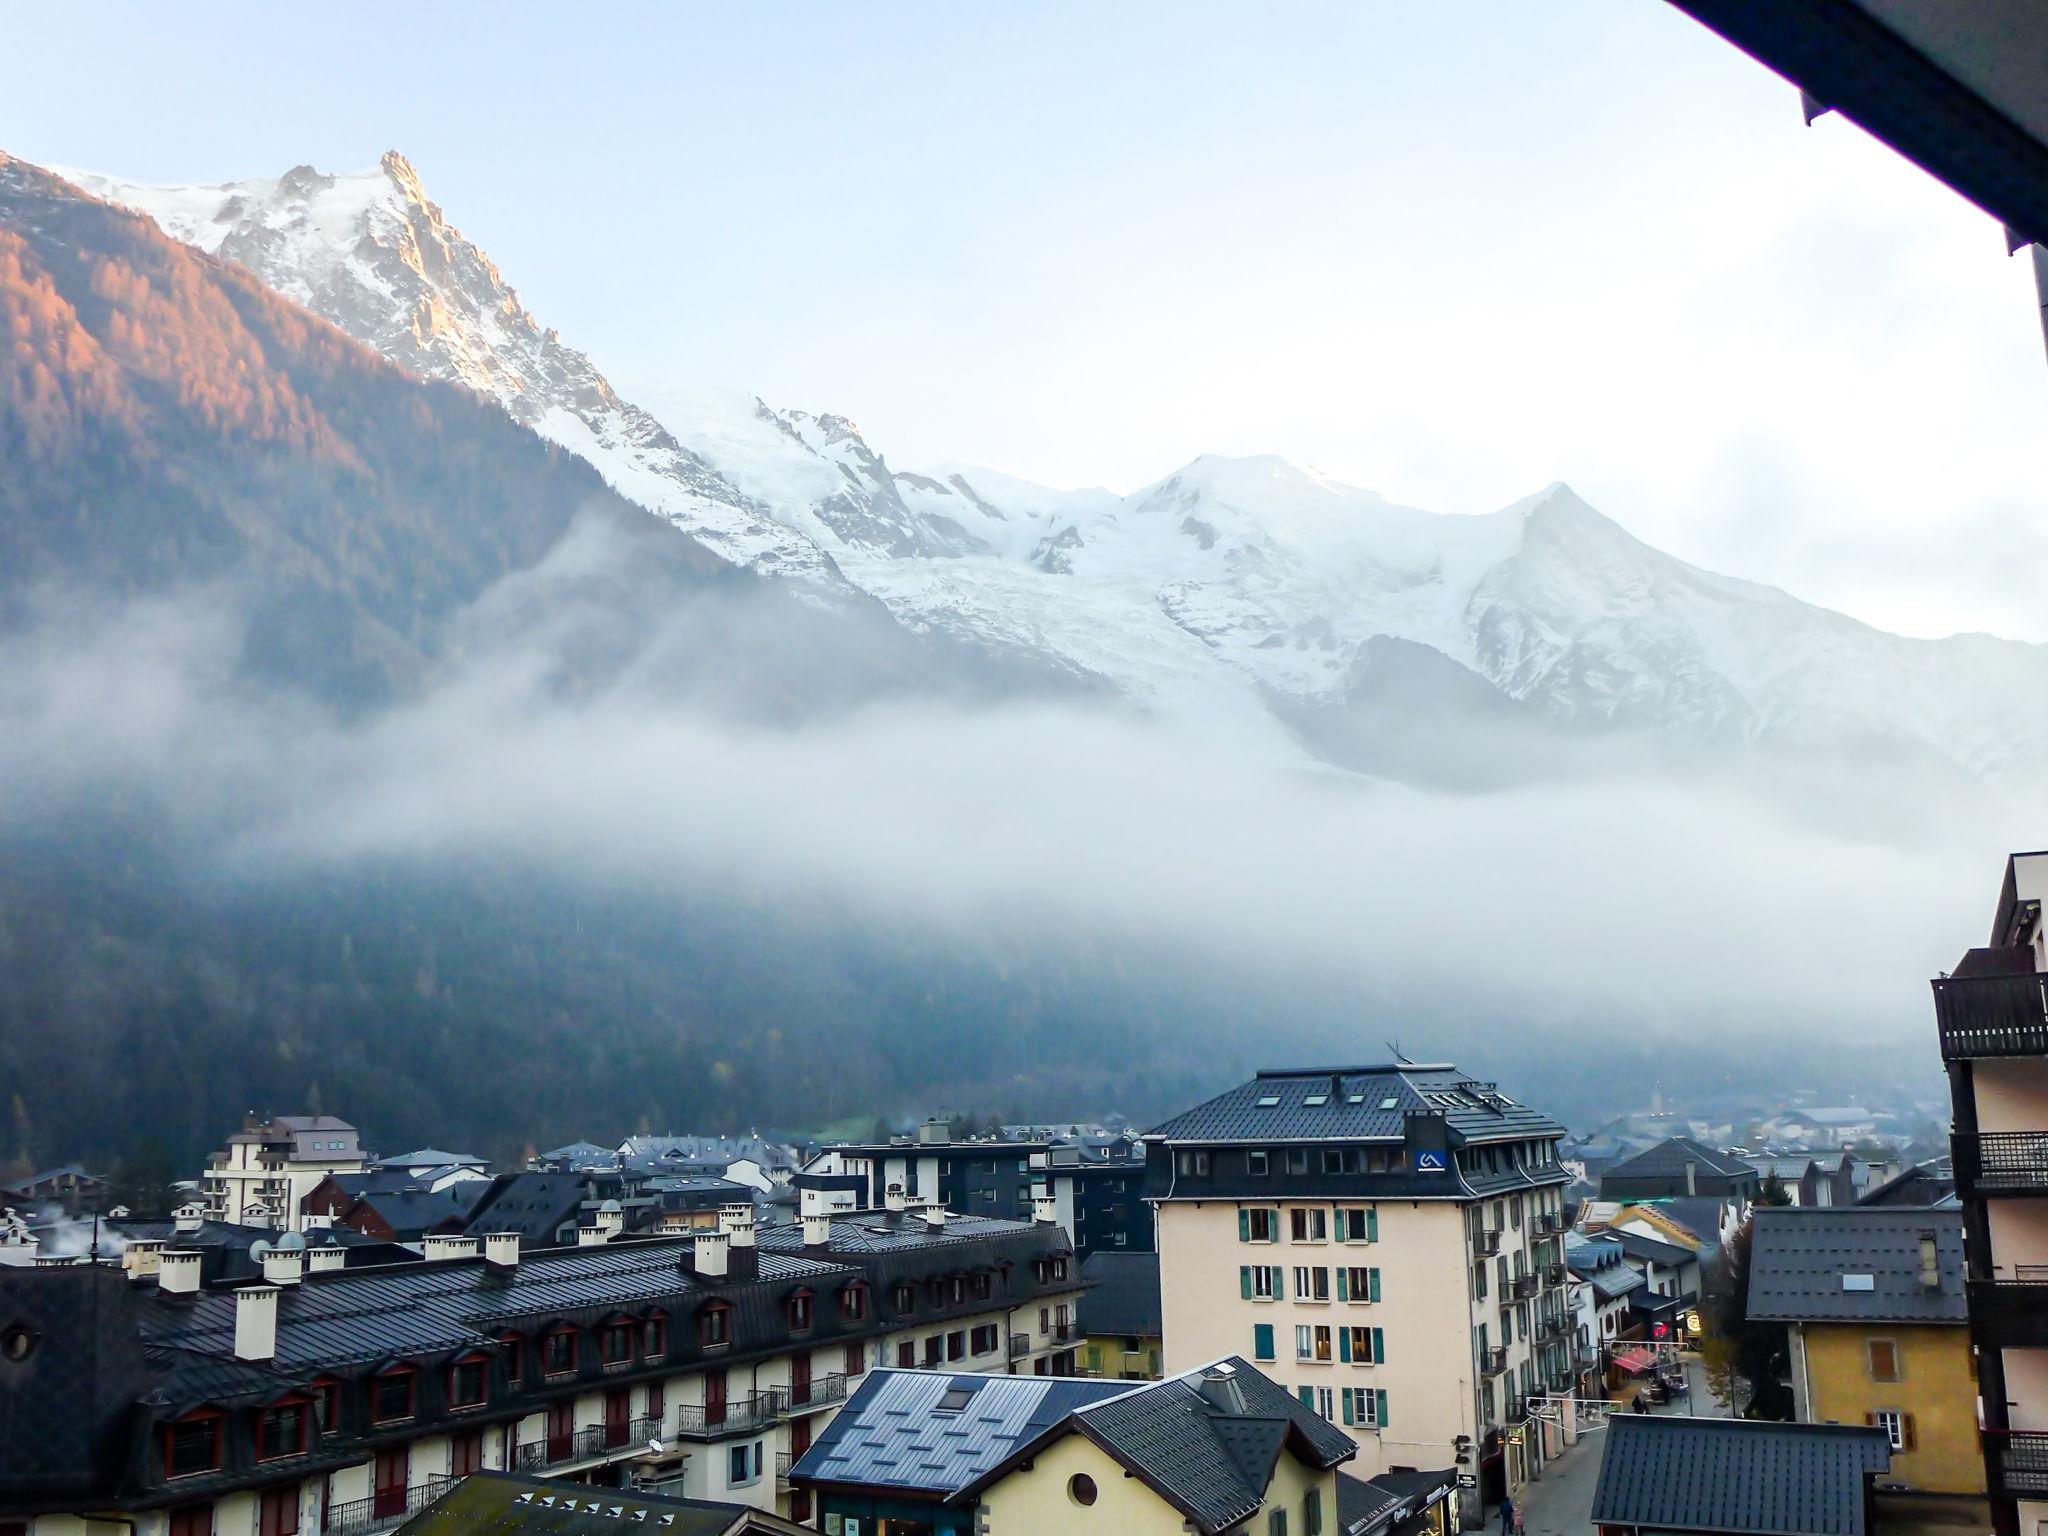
x=1989, y=1016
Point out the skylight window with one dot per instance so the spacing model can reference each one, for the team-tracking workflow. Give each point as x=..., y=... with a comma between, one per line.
x=1315, y=1099
x=1390, y=1102
x=1355, y=1098
x=1268, y=1100
x=1859, y=1282
x=955, y=1399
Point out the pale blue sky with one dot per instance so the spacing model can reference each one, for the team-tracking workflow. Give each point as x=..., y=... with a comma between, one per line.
x=1451, y=252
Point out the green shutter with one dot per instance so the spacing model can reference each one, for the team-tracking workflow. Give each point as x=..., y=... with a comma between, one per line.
x=1244, y=1225
x=1344, y=1345
x=1380, y=1401
x=1307, y=1396
x=1379, y=1346
x=1347, y=1406
x=1244, y=1281
x=1372, y=1277
x=1262, y=1341
x=1343, y=1283
x=1279, y=1282
x=1372, y=1225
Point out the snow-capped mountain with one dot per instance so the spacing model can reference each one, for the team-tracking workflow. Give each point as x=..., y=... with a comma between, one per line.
x=1251, y=586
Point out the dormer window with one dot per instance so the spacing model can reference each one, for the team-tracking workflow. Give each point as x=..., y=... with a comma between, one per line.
x=904, y=1298
x=326, y=1396
x=983, y=1286
x=558, y=1352
x=655, y=1333
x=468, y=1382
x=509, y=1352
x=391, y=1395
x=799, y=1309
x=853, y=1303
x=615, y=1342
x=714, y=1325
x=282, y=1429
x=959, y=1290
x=192, y=1444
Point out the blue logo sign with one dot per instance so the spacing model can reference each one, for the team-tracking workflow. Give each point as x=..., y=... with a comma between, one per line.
x=1432, y=1162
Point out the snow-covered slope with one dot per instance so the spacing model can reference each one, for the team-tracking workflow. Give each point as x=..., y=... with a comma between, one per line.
x=1244, y=589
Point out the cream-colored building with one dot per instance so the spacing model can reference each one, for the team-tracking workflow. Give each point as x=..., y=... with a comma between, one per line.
x=1992, y=1019
x=269, y=1166
x=1386, y=1242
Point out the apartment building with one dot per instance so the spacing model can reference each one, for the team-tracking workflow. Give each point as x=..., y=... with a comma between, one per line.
x=266, y=1170
x=331, y=1400
x=1387, y=1241
x=1991, y=1014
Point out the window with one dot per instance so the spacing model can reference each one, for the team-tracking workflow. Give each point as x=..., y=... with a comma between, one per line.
x=1363, y=1346
x=391, y=1396
x=1312, y=1343
x=1479, y=1280
x=1276, y=1523
x=1193, y=1165
x=1361, y=1283
x=466, y=1453
x=327, y=1406
x=657, y=1401
x=277, y=1512
x=192, y=1520
x=904, y=1298
x=558, y=1352
x=1081, y=1489
x=1297, y=1160
x=853, y=1303
x=956, y=1344
x=1312, y=1512
x=1355, y=1226
x=281, y=1430
x=933, y=1349
x=1884, y=1360
x=856, y=1359
x=1256, y=1164
x=1366, y=1407
x=1326, y=1403
x=1333, y=1160
x=1256, y=1225
x=508, y=1350
x=1260, y=1282
x=984, y=1285
x=1308, y=1225
x=799, y=1309
x=466, y=1383
x=984, y=1339
x=655, y=1335
x=906, y=1355
x=743, y=1464
x=1897, y=1427
x=714, y=1325
x=193, y=1445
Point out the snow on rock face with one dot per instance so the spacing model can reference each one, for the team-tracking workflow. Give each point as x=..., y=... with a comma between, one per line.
x=1221, y=589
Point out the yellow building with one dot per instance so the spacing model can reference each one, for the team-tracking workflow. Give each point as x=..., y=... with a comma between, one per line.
x=1874, y=1302
x=1220, y=1448
x=1120, y=1333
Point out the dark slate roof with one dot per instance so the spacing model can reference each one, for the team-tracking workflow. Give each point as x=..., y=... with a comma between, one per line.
x=432, y=1157
x=1359, y=1104
x=1391, y=1497
x=412, y=1210
x=1737, y=1475
x=579, y=1151
x=1653, y=1250
x=1123, y=1295
x=884, y=1231
x=1698, y=1214
x=1668, y=1158
x=535, y=1205
x=502, y=1504
x=1798, y=1259
x=890, y=1434
x=224, y=1246
x=1211, y=1463
x=1928, y=1183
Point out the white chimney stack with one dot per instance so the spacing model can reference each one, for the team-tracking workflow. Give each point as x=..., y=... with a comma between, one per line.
x=327, y=1257
x=284, y=1266
x=737, y=1222
x=143, y=1257
x=710, y=1254
x=178, y=1272
x=256, y=1322
x=817, y=1230
x=502, y=1249
x=441, y=1247
x=893, y=1197
x=1045, y=1209
x=935, y=1217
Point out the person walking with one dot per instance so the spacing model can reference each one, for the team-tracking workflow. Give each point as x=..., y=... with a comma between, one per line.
x=1520, y=1516
x=1509, y=1515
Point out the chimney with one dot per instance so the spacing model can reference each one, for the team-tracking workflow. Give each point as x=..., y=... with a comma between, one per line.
x=501, y=1250
x=935, y=1217
x=934, y=1133
x=894, y=1198
x=710, y=1255
x=327, y=1257
x=1692, y=1177
x=590, y=1237
x=1930, y=1263
x=178, y=1272
x=1219, y=1387
x=440, y=1247
x=817, y=1230
x=256, y=1322
x=284, y=1266
x=1045, y=1209
x=143, y=1258
x=737, y=1222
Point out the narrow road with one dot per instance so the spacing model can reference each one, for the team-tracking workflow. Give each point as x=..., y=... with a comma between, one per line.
x=1561, y=1504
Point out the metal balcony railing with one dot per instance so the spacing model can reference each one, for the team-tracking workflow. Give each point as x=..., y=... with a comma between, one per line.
x=1524, y=1287
x=1555, y=1274
x=2010, y=1313
x=1986, y=1016
x=1060, y=1333
x=739, y=1416
x=821, y=1391
x=1020, y=1345
x=783, y=1462
x=2016, y=1463
x=384, y=1511
x=2002, y=1163
x=1486, y=1242
x=1551, y=1223
x=1494, y=1360
x=586, y=1444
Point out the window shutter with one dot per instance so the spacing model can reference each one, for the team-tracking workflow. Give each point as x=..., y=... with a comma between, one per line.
x=1372, y=1225
x=1372, y=1277
x=1307, y=1396
x=1244, y=1281
x=1262, y=1341
x=1348, y=1416
x=1279, y=1282
x=1244, y=1225
x=1343, y=1284
x=1344, y=1345
x=1905, y=1432
x=1380, y=1403
x=1379, y=1346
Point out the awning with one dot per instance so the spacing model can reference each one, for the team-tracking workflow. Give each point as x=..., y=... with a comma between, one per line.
x=1633, y=1360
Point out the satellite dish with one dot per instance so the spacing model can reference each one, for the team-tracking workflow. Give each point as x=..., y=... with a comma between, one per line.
x=260, y=1249
x=291, y=1242
x=656, y=1446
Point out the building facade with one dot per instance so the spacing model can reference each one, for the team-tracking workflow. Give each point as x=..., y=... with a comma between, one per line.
x=1991, y=1015
x=1388, y=1242
x=266, y=1170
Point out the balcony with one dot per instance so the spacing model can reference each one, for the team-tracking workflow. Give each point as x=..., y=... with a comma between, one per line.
x=1990, y=1016
x=783, y=1462
x=1486, y=1242
x=740, y=1416
x=2016, y=1462
x=1020, y=1345
x=1061, y=1333
x=384, y=1511
x=557, y=1451
x=2010, y=1313
x=1554, y=1328
x=822, y=1391
x=1550, y=1223
x=2002, y=1163
x=1493, y=1361
x=1524, y=1287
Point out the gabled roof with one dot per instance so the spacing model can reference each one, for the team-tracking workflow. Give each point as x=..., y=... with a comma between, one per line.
x=1123, y=1294
x=579, y=1151
x=1929, y=1183
x=535, y=1205
x=433, y=1157
x=1667, y=1160
x=1355, y=1104
x=1743, y=1476
x=413, y=1210
x=1857, y=1263
x=1636, y=1246
x=504, y=1504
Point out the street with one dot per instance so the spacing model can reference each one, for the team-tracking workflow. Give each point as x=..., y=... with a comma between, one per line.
x=1561, y=1504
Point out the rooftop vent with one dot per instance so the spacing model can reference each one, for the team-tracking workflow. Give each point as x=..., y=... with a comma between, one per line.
x=1219, y=1387
x=1930, y=1263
